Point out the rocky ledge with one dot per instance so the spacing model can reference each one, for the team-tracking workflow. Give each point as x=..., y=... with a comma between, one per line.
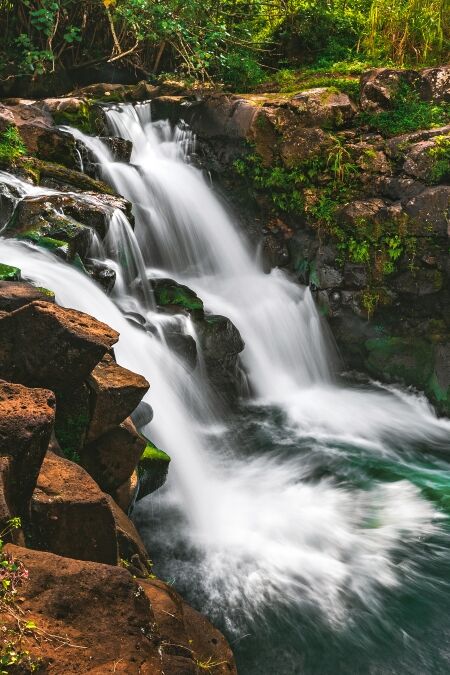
x=78, y=593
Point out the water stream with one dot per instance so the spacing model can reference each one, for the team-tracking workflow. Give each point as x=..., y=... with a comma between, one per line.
x=311, y=523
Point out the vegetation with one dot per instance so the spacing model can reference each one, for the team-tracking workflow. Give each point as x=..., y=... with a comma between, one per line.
x=238, y=42
x=12, y=146
x=14, y=627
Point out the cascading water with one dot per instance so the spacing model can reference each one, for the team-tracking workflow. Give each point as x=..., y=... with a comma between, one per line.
x=310, y=522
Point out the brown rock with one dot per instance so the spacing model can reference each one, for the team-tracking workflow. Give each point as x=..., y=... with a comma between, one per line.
x=380, y=86
x=436, y=83
x=63, y=345
x=99, y=608
x=430, y=211
x=70, y=515
x=323, y=107
x=186, y=634
x=420, y=161
x=26, y=420
x=6, y=118
x=115, y=393
x=131, y=548
x=112, y=458
x=72, y=419
x=15, y=294
x=125, y=494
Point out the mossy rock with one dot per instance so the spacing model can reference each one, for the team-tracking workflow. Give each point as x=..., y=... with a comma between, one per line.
x=152, y=469
x=84, y=116
x=72, y=420
x=396, y=358
x=57, y=176
x=9, y=273
x=48, y=293
x=169, y=293
x=60, y=248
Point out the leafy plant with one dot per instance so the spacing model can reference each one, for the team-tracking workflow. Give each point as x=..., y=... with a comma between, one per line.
x=440, y=154
x=12, y=146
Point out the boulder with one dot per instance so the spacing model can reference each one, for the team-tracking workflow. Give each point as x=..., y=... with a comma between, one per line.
x=323, y=107
x=98, y=608
x=399, y=146
x=70, y=515
x=152, y=470
x=59, y=177
x=103, y=274
x=115, y=624
x=184, y=347
x=6, y=118
x=73, y=413
x=418, y=282
x=419, y=160
x=299, y=144
x=172, y=295
x=430, y=211
x=125, y=495
x=380, y=86
x=61, y=350
x=26, y=421
x=436, y=83
x=131, y=549
x=17, y=294
x=115, y=393
x=112, y=458
x=188, y=639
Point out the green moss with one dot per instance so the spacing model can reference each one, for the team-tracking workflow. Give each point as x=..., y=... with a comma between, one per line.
x=9, y=273
x=407, y=359
x=72, y=421
x=82, y=118
x=12, y=146
x=168, y=292
x=46, y=291
x=152, y=454
x=440, y=154
x=54, y=245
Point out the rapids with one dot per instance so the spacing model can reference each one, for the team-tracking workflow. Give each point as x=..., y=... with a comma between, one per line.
x=311, y=524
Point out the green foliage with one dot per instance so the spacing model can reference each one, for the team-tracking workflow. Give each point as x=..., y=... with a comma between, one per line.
x=291, y=81
x=408, y=113
x=440, y=154
x=407, y=31
x=12, y=146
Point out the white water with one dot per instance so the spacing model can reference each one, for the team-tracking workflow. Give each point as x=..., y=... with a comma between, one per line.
x=263, y=533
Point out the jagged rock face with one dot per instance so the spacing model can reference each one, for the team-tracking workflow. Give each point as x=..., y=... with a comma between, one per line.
x=16, y=295
x=68, y=501
x=63, y=347
x=120, y=626
x=26, y=421
x=115, y=393
x=112, y=458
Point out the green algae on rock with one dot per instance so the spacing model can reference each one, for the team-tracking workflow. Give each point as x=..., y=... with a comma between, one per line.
x=9, y=273
x=152, y=469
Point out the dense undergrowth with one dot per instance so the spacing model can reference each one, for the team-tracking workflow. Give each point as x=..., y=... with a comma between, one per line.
x=241, y=43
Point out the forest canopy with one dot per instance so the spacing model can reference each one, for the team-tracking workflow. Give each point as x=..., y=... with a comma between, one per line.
x=236, y=42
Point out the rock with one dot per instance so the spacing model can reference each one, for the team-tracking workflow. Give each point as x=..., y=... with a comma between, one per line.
x=220, y=344
x=299, y=144
x=362, y=211
x=441, y=383
x=70, y=515
x=169, y=293
x=420, y=282
x=75, y=112
x=97, y=607
x=152, y=470
x=120, y=148
x=6, y=118
x=125, y=495
x=104, y=275
x=395, y=358
x=436, y=83
x=355, y=276
x=9, y=274
x=430, y=211
x=397, y=188
x=324, y=107
x=26, y=421
x=61, y=350
x=419, y=160
x=59, y=177
x=186, y=634
x=115, y=393
x=275, y=252
x=112, y=458
x=142, y=415
x=14, y=295
x=73, y=413
x=379, y=87
x=37, y=220
x=184, y=346
x=120, y=625
x=399, y=146
x=130, y=545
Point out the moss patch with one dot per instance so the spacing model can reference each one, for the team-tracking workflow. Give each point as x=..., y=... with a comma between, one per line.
x=9, y=273
x=168, y=292
x=152, y=469
x=12, y=146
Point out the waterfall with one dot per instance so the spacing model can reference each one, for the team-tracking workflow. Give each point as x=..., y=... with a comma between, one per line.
x=307, y=524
